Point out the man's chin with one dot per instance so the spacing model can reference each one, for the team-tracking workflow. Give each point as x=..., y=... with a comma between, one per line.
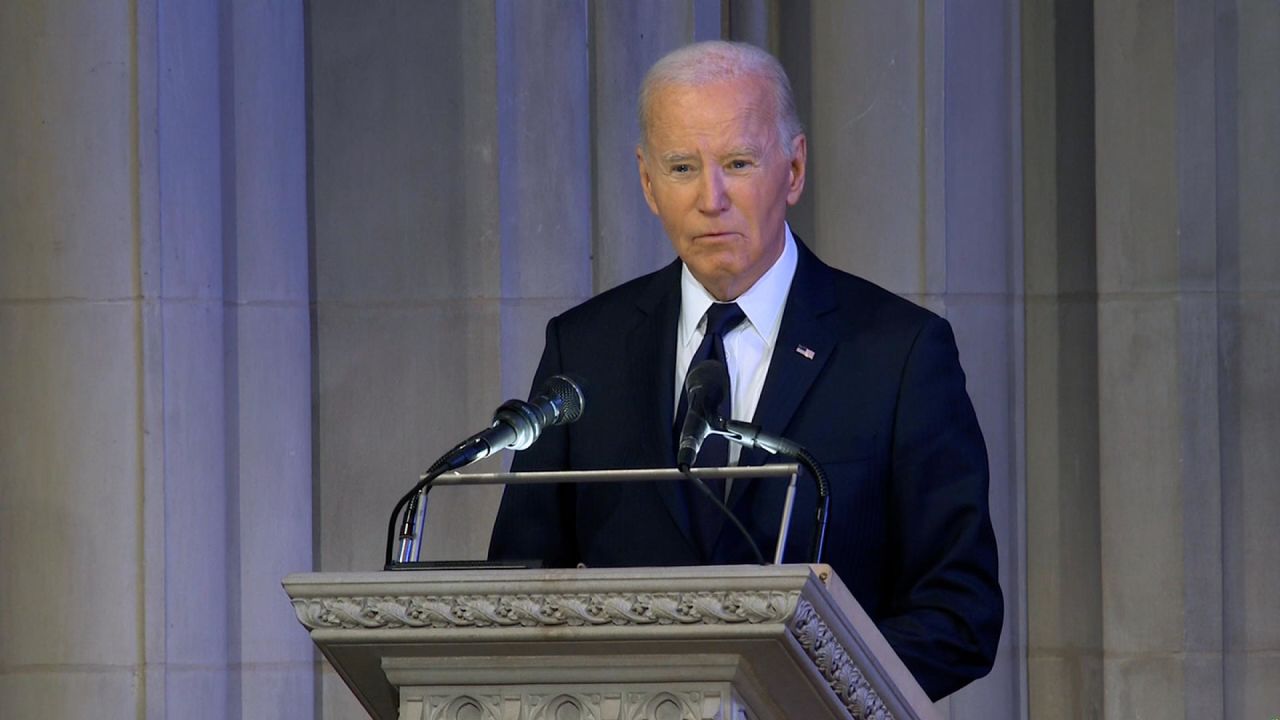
x=719, y=257
x=722, y=281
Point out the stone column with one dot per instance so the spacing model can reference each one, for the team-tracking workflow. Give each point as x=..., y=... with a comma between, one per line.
x=543, y=64
x=267, y=340
x=184, y=363
x=1248, y=221
x=1064, y=575
x=915, y=184
x=982, y=291
x=1186, y=364
x=148, y=430
x=876, y=147
x=73, y=556
x=409, y=268
x=1152, y=360
x=1161, y=514
x=627, y=38
x=754, y=21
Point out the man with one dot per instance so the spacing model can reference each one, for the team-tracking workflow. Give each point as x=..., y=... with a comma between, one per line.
x=868, y=382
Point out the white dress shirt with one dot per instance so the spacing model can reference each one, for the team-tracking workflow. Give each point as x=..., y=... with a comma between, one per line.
x=748, y=348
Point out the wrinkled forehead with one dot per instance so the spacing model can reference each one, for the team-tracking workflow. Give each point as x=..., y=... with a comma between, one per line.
x=714, y=115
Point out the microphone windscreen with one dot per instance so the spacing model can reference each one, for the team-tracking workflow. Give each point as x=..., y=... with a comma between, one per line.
x=709, y=379
x=567, y=395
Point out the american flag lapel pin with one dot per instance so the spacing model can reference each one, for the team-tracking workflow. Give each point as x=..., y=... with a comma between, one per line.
x=806, y=352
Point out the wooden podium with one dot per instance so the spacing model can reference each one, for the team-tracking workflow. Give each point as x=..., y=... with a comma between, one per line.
x=691, y=643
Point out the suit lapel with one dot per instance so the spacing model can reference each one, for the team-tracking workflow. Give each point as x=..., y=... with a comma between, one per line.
x=792, y=371
x=803, y=348
x=651, y=352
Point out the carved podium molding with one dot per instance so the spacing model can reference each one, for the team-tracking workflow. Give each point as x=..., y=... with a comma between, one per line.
x=748, y=643
x=541, y=610
x=590, y=705
x=836, y=665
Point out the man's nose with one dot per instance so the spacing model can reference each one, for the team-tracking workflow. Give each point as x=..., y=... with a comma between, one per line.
x=712, y=194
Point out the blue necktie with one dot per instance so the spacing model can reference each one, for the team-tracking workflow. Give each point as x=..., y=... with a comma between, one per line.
x=705, y=516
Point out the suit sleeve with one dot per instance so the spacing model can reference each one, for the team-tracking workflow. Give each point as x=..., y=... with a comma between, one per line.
x=536, y=522
x=946, y=606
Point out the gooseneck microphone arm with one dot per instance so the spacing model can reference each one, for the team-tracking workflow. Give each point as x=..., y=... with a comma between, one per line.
x=411, y=499
x=751, y=436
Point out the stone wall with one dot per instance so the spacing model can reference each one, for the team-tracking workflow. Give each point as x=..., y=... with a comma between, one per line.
x=1152, y=268
x=155, y=392
x=258, y=266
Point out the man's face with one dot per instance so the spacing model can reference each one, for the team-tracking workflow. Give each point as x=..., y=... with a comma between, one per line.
x=715, y=173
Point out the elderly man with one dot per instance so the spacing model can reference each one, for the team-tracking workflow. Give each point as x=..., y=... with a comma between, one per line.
x=870, y=383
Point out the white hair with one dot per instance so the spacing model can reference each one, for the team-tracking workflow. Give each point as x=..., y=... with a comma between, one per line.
x=715, y=61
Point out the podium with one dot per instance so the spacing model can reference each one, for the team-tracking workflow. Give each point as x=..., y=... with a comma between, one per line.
x=686, y=643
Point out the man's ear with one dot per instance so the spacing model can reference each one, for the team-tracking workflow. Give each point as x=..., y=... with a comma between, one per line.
x=646, y=180
x=797, y=166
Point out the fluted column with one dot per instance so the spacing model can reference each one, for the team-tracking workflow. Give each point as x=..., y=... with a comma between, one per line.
x=627, y=38
x=914, y=183
x=1249, y=353
x=1161, y=513
x=1152, y=354
x=1064, y=563
x=154, y=191
x=73, y=558
x=267, y=340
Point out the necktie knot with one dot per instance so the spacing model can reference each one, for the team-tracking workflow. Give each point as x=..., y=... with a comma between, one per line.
x=723, y=317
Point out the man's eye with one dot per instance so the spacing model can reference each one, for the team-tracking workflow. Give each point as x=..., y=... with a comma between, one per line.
x=681, y=168
x=739, y=164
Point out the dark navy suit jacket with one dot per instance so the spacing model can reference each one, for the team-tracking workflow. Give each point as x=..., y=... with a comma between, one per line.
x=881, y=404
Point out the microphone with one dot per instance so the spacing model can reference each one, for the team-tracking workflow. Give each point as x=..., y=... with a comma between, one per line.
x=706, y=385
x=751, y=436
x=517, y=424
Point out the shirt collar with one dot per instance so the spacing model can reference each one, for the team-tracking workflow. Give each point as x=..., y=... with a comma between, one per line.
x=762, y=302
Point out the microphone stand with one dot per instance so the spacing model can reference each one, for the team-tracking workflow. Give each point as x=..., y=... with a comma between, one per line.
x=407, y=526
x=435, y=476
x=752, y=436
x=745, y=434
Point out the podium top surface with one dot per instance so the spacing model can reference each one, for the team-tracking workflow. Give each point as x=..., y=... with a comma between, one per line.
x=367, y=622
x=689, y=577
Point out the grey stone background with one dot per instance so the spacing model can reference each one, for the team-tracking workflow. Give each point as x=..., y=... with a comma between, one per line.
x=260, y=262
